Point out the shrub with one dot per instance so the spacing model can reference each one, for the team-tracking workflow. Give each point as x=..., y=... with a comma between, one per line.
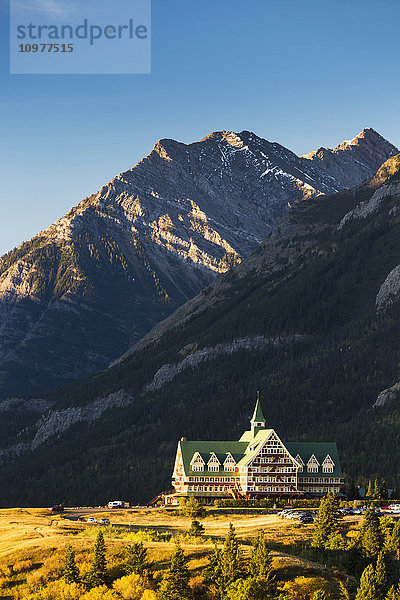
x=22, y=566
x=131, y=587
x=191, y=508
x=149, y=595
x=100, y=593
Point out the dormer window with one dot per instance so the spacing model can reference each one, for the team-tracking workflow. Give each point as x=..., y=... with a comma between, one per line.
x=197, y=463
x=312, y=465
x=328, y=465
x=229, y=463
x=213, y=464
x=301, y=463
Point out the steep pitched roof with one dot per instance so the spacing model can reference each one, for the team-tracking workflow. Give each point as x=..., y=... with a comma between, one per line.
x=206, y=449
x=320, y=450
x=258, y=413
x=253, y=445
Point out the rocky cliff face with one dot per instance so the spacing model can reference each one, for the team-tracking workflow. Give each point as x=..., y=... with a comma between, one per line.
x=81, y=292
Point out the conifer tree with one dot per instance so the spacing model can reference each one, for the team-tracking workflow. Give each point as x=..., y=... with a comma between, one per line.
x=352, y=491
x=136, y=559
x=371, y=535
x=344, y=592
x=394, y=540
x=225, y=566
x=196, y=529
x=97, y=572
x=260, y=563
x=383, y=490
x=376, y=494
x=232, y=558
x=393, y=593
x=70, y=572
x=368, y=493
x=326, y=521
x=192, y=508
x=175, y=584
x=381, y=580
x=212, y=574
x=392, y=545
x=367, y=589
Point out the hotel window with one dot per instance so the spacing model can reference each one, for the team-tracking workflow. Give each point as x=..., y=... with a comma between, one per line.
x=300, y=461
x=312, y=465
x=328, y=465
x=213, y=464
x=197, y=462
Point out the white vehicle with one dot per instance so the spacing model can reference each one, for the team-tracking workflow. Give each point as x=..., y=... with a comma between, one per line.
x=117, y=504
x=92, y=520
x=394, y=508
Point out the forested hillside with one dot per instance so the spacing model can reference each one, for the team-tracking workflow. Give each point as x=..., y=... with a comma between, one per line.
x=312, y=320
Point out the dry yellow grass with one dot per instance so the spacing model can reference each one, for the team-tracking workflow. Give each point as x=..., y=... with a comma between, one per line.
x=33, y=542
x=26, y=533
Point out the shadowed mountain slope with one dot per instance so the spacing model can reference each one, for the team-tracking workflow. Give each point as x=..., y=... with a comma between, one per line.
x=81, y=292
x=311, y=319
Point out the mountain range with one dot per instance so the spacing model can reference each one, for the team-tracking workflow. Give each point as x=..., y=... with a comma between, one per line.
x=311, y=319
x=80, y=293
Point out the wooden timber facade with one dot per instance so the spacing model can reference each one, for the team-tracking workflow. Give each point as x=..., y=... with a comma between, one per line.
x=259, y=465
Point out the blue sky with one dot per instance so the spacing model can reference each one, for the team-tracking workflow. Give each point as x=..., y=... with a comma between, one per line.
x=305, y=73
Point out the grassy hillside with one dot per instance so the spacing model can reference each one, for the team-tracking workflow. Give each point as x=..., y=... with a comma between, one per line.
x=33, y=546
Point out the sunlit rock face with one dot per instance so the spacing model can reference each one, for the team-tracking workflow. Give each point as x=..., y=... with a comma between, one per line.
x=81, y=292
x=354, y=160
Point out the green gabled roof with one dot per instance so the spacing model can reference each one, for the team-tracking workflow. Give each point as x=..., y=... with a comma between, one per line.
x=206, y=449
x=258, y=413
x=221, y=449
x=320, y=451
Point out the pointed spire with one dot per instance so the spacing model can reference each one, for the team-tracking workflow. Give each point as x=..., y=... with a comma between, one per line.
x=258, y=420
x=258, y=416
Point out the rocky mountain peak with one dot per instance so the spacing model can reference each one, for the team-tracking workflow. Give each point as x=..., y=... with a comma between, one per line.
x=353, y=161
x=370, y=144
x=94, y=282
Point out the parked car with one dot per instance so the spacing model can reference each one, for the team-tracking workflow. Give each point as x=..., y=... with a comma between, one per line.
x=81, y=519
x=57, y=508
x=295, y=514
x=104, y=521
x=305, y=519
x=91, y=520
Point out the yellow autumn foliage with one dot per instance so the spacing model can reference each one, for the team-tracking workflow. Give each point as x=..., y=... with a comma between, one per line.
x=130, y=587
x=303, y=588
x=149, y=595
x=100, y=593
